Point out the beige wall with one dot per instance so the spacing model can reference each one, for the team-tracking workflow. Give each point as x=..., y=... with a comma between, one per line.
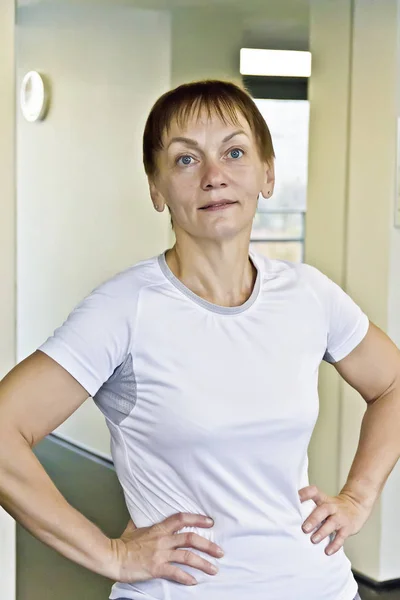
x=373, y=239
x=325, y=244
x=206, y=43
x=351, y=235
x=7, y=258
x=7, y=188
x=84, y=211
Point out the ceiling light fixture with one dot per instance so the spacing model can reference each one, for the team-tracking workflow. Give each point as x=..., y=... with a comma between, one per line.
x=275, y=63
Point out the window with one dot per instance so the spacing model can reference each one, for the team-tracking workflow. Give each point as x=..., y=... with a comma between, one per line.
x=281, y=96
x=279, y=224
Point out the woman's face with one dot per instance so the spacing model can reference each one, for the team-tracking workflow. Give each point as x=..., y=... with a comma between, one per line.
x=210, y=175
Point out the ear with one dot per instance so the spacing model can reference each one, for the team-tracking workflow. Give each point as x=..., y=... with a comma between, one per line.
x=269, y=179
x=156, y=196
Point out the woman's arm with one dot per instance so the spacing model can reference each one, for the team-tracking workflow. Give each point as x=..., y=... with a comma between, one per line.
x=35, y=398
x=373, y=369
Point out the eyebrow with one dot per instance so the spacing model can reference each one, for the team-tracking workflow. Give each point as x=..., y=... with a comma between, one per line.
x=190, y=142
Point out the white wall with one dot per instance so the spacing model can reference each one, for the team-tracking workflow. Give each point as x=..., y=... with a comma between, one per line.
x=84, y=211
x=7, y=258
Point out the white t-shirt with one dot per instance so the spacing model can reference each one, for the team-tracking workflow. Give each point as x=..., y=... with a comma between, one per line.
x=211, y=410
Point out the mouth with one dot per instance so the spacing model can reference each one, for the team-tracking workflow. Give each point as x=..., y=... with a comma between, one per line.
x=218, y=205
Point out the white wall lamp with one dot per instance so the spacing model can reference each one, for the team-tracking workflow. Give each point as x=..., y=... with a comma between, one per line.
x=34, y=97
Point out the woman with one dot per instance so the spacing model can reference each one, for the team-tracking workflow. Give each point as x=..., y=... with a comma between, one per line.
x=204, y=361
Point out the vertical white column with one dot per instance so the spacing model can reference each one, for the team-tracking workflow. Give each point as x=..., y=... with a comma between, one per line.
x=370, y=231
x=330, y=45
x=7, y=257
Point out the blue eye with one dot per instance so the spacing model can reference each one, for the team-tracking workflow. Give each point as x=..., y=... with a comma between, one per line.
x=235, y=153
x=185, y=160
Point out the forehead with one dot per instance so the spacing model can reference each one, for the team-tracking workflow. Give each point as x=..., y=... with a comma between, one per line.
x=195, y=124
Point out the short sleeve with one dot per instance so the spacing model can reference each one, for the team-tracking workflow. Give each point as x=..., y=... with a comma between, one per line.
x=347, y=323
x=96, y=336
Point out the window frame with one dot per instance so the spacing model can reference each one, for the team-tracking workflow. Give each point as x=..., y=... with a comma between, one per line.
x=279, y=88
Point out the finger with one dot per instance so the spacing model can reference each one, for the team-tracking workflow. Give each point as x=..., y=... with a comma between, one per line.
x=329, y=527
x=317, y=516
x=311, y=492
x=185, y=557
x=337, y=543
x=193, y=540
x=178, y=521
x=176, y=574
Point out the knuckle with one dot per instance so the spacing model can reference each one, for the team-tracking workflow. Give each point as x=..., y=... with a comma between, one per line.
x=204, y=565
x=190, y=538
x=158, y=543
x=335, y=522
x=159, y=529
x=187, y=556
x=154, y=568
x=156, y=558
x=325, y=516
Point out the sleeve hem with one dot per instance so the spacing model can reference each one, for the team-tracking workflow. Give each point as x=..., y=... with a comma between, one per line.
x=351, y=343
x=66, y=360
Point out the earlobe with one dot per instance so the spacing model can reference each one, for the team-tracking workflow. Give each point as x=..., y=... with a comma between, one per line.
x=269, y=180
x=156, y=197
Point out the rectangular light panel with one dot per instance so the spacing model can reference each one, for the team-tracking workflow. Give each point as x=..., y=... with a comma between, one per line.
x=275, y=63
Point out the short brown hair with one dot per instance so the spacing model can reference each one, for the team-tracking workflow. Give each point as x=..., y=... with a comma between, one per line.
x=212, y=95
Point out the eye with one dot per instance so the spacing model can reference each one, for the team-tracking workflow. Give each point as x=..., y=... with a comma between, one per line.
x=184, y=160
x=236, y=153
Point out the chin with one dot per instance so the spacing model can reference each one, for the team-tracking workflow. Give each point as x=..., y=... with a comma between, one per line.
x=226, y=231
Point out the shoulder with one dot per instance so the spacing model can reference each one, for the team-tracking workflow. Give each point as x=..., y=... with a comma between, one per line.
x=127, y=284
x=273, y=267
x=301, y=276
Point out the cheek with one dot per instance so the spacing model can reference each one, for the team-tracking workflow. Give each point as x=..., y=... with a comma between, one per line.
x=249, y=180
x=180, y=195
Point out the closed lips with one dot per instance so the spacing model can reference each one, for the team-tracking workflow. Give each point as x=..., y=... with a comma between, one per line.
x=222, y=203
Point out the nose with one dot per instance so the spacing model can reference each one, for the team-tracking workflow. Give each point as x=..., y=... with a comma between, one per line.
x=213, y=177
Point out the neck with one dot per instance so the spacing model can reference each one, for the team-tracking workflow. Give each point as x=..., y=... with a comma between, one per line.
x=221, y=273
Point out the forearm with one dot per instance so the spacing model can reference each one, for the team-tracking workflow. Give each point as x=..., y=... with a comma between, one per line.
x=31, y=498
x=378, y=449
